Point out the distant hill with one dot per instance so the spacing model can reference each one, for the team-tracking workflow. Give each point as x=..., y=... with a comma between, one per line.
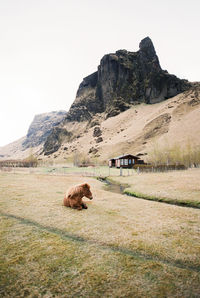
x=38, y=131
x=41, y=127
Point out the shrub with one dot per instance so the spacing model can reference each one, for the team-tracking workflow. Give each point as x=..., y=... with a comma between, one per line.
x=30, y=161
x=176, y=154
x=81, y=160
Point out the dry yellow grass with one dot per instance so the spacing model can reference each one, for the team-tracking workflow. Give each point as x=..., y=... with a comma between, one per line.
x=177, y=186
x=118, y=247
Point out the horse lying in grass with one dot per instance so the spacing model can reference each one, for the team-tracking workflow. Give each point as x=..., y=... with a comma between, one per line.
x=73, y=198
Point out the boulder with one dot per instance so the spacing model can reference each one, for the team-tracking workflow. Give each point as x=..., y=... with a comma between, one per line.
x=93, y=150
x=97, y=131
x=98, y=140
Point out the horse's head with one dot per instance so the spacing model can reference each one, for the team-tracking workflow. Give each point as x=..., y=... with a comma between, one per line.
x=86, y=191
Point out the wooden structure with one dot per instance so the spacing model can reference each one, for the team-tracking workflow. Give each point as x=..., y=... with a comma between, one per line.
x=125, y=161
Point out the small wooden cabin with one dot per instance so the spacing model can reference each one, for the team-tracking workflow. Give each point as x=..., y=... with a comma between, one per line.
x=125, y=161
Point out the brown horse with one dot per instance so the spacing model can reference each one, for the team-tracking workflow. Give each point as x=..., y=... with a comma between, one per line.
x=73, y=197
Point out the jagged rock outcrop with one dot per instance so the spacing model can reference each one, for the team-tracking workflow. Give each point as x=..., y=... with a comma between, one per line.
x=123, y=79
x=99, y=140
x=54, y=140
x=97, y=131
x=41, y=127
x=93, y=150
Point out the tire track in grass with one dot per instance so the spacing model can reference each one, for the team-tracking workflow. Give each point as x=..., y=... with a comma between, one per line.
x=117, y=249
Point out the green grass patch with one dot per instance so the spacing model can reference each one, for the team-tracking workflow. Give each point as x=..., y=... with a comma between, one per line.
x=178, y=202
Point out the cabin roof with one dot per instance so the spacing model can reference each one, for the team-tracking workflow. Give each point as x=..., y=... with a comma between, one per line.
x=125, y=156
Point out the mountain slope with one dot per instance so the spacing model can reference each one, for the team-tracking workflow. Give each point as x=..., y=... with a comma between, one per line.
x=173, y=121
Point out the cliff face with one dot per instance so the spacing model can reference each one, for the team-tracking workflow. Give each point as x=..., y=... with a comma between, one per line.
x=123, y=79
x=54, y=140
x=41, y=127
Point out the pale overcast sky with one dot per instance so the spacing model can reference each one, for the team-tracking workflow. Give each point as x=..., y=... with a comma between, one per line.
x=48, y=46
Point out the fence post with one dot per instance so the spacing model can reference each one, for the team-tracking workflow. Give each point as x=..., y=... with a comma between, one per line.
x=121, y=174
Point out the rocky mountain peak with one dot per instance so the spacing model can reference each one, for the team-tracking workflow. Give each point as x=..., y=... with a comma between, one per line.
x=122, y=79
x=147, y=48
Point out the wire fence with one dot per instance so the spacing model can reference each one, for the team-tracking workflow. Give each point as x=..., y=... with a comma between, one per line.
x=91, y=171
x=97, y=171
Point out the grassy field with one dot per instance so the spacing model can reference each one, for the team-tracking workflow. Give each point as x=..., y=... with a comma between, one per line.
x=72, y=170
x=174, y=187
x=119, y=247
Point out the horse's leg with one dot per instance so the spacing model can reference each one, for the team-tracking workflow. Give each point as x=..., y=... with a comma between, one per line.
x=84, y=205
x=76, y=205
